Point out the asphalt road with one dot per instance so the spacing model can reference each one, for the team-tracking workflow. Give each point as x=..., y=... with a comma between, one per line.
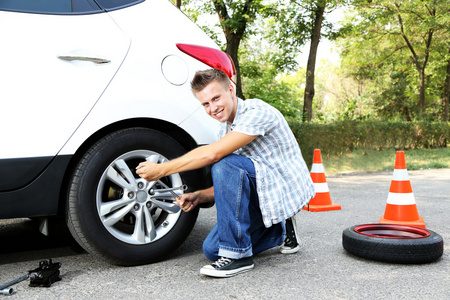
x=322, y=269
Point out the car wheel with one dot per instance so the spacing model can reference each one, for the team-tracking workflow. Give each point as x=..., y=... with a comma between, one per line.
x=118, y=216
x=393, y=243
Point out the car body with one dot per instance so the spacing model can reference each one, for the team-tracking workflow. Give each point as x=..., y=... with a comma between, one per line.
x=89, y=89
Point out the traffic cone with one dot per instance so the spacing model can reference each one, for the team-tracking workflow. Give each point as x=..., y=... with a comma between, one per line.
x=322, y=200
x=401, y=206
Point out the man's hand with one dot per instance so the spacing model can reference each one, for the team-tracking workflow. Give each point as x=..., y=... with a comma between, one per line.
x=189, y=201
x=149, y=171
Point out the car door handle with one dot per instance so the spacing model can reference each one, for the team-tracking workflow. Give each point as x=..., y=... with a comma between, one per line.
x=84, y=58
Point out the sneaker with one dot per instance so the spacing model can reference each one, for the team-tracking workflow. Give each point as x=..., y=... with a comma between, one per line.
x=227, y=267
x=291, y=243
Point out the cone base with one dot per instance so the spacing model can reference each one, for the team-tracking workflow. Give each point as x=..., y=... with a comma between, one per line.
x=326, y=207
x=418, y=223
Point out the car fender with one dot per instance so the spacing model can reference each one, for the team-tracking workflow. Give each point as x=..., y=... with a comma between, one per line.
x=197, y=124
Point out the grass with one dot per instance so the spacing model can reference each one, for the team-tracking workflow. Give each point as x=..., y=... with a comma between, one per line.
x=384, y=160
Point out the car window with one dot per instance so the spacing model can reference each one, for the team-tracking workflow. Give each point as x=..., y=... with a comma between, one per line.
x=116, y=4
x=50, y=6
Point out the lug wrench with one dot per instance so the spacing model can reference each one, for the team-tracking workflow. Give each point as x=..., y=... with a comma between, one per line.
x=6, y=290
x=166, y=187
x=171, y=190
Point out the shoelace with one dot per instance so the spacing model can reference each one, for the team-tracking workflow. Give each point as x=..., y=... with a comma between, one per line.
x=222, y=262
x=289, y=243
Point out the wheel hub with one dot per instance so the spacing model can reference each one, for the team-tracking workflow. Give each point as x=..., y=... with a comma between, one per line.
x=141, y=196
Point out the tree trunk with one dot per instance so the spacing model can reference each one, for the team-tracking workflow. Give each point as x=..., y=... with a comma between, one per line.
x=233, y=37
x=232, y=50
x=407, y=116
x=311, y=67
x=446, y=93
x=420, y=67
x=422, y=93
x=178, y=3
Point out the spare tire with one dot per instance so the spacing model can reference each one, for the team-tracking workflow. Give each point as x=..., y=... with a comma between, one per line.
x=393, y=243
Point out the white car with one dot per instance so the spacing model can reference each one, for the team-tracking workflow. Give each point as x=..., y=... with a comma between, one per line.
x=90, y=88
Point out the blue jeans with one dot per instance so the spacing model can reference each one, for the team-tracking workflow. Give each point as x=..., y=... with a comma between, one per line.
x=240, y=231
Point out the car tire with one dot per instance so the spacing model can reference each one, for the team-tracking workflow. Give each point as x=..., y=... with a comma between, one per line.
x=393, y=243
x=116, y=215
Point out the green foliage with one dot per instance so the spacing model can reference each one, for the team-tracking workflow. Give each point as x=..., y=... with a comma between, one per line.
x=341, y=137
x=202, y=13
x=389, y=44
x=377, y=78
x=259, y=80
x=295, y=22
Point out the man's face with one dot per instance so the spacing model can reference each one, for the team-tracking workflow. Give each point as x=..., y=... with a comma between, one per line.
x=219, y=102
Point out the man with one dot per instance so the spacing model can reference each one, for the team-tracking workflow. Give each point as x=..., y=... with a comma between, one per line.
x=260, y=180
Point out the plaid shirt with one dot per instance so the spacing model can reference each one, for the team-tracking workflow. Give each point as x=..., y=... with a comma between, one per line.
x=283, y=181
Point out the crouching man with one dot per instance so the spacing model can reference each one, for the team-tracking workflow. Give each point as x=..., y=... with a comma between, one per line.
x=260, y=180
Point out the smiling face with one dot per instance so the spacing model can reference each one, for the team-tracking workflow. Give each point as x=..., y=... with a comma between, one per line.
x=219, y=101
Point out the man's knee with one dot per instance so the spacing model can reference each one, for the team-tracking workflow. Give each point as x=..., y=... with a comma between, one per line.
x=225, y=162
x=231, y=162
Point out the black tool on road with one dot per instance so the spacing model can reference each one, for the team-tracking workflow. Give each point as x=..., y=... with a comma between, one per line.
x=43, y=276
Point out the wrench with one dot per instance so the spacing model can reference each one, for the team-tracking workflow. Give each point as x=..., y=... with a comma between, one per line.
x=171, y=190
x=154, y=158
x=182, y=187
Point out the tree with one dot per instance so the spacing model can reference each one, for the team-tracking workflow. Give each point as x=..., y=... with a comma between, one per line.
x=235, y=17
x=318, y=12
x=301, y=21
x=403, y=34
x=420, y=60
x=261, y=78
x=446, y=91
x=340, y=96
x=177, y=3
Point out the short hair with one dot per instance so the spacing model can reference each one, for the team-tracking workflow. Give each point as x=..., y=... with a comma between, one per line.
x=203, y=78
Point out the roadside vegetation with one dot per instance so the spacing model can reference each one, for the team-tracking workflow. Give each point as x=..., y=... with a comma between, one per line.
x=360, y=161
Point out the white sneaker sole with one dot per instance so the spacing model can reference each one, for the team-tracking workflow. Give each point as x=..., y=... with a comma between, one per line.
x=288, y=250
x=210, y=271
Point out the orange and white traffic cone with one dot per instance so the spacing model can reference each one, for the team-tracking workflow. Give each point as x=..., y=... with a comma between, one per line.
x=322, y=200
x=401, y=205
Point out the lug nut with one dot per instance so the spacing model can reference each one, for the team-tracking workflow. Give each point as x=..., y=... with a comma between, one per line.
x=130, y=195
x=136, y=207
x=140, y=185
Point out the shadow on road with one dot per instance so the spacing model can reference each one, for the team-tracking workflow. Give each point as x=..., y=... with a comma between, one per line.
x=22, y=241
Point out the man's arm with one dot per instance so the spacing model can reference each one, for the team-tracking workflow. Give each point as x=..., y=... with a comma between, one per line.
x=195, y=159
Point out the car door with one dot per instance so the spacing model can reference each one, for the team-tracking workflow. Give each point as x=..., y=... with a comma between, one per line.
x=56, y=60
